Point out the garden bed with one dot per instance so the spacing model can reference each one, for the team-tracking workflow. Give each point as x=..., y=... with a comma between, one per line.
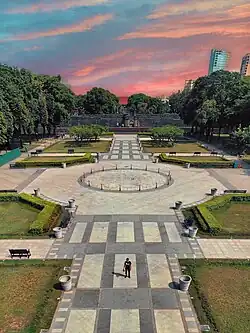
x=25, y=216
x=220, y=293
x=79, y=147
x=53, y=161
x=224, y=216
x=28, y=294
x=198, y=161
x=189, y=147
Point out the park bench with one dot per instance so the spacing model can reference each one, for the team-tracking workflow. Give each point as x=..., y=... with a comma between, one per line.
x=8, y=191
x=20, y=253
x=214, y=153
x=197, y=153
x=234, y=191
x=171, y=153
x=33, y=153
x=12, y=165
x=71, y=151
x=39, y=151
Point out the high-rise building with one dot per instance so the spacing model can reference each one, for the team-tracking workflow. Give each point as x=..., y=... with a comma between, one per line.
x=245, y=65
x=218, y=60
x=189, y=84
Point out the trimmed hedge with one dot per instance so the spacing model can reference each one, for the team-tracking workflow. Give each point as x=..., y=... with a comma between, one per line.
x=49, y=215
x=203, y=213
x=28, y=163
x=223, y=163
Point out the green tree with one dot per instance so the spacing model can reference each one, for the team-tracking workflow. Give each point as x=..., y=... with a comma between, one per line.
x=3, y=130
x=100, y=101
x=240, y=138
x=166, y=134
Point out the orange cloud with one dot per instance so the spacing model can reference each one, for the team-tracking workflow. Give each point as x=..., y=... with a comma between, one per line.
x=85, y=71
x=54, y=6
x=86, y=25
x=197, y=6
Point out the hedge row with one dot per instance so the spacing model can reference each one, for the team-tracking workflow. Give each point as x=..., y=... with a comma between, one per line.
x=49, y=215
x=28, y=163
x=223, y=163
x=203, y=213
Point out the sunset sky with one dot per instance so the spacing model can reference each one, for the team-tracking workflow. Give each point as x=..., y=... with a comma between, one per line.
x=126, y=46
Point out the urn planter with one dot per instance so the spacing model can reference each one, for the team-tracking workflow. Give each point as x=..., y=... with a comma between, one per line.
x=178, y=204
x=66, y=282
x=64, y=165
x=213, y=191
x=36, y=192
x=184, y=282
x=192, y=231
x=71, y=203
x=58, y=232
x=187, y=165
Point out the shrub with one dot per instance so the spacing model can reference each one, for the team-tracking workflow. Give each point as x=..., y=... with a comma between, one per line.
x=48, y=217
x=29, y=163
x=223, y=163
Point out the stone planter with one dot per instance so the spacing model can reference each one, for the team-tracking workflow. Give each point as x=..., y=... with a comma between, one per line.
x=178, y=204
x=71, y=203
x=192, y=231
x=58, y=232
x=66, y=282
x=64, y=165
x=184, y=282
x=187, y=165
x=213, y=191
x=36, y=192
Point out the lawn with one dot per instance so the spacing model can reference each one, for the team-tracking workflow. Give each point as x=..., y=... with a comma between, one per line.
x=92, y=147
x=189, y=147
x=28, y=296
x=16, y=218
x=221, y=293
x=234, y=217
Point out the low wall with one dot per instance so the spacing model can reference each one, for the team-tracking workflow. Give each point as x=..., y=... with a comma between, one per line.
x=9, y=156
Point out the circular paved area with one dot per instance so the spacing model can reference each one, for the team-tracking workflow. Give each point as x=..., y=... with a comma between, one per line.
x=190, y=185
x=126, y=180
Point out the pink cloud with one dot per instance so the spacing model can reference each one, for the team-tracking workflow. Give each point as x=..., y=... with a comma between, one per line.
x=54, y=6
x=85, y=25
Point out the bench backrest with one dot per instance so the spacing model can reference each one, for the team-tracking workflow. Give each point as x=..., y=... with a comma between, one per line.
x=235, y=191
x=19, y=251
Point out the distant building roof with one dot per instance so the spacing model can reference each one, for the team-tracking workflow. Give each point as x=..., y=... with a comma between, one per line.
x=123, y=100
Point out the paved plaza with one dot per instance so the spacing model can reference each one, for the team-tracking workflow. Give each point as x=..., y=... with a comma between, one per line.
x=112, y=224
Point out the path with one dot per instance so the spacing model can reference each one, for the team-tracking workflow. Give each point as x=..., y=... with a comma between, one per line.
x=125, y=147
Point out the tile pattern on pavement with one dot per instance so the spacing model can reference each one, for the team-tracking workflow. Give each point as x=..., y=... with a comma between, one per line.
x=104, y=301
x=128, y=148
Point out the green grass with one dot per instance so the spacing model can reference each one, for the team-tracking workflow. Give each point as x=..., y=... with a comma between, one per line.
x=221, y=293
x=151, y=147
x=27, y=293
x=16, y=217
x=234, y=217
x=92, y=147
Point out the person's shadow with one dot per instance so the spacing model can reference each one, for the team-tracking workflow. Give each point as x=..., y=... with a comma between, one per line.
x=118, y=274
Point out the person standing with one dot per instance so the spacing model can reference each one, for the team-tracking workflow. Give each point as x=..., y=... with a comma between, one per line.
x=127, y=267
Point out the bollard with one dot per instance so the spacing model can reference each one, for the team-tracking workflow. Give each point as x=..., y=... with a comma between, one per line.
x=158, y=170
x=139, y=187
x=36, y=192
x=91, y=171
x=120, y=188
x=131, y=167
x=103, y=168
x=116, y=167
x=101, y=187
x=146, y=168
x=89, y=183
x=83, y=175
x=156, y=185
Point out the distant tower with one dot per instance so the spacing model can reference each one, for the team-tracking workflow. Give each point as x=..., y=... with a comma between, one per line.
x=245, y=65
x=218, y=60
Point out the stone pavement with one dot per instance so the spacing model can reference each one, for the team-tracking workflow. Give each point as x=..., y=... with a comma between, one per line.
x=103, y=301
x=39, y=248
x=125, y=147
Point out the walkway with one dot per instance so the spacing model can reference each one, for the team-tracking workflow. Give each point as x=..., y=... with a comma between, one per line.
x=106, y=302
x=126, y=147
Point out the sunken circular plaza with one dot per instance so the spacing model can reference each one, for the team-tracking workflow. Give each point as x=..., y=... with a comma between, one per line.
x=126, y=180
